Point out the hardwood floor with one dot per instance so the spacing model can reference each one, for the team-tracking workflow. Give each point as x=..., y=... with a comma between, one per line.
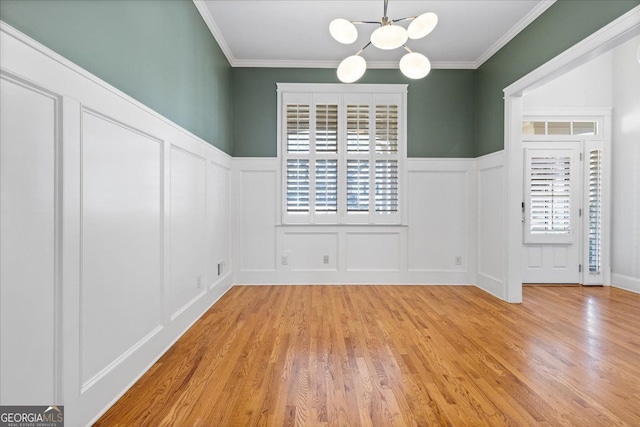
x=398, y=355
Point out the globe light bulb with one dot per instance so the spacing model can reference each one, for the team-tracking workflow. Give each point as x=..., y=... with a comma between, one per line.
x=415, y=65
x=351, y=69
x=422, y=25
x=343, y=31
x=389, y=37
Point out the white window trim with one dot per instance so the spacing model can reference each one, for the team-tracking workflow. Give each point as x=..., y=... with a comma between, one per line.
x=342, y=218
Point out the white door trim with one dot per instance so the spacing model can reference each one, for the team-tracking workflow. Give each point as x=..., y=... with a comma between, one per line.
x=617, y=32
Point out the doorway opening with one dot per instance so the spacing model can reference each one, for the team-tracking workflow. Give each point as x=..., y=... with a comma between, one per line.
x=621, y=30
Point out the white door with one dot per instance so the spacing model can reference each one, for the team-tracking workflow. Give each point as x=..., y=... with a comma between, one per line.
x=551, y=222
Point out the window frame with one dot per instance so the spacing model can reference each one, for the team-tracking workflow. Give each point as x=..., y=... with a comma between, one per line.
x=321, y=93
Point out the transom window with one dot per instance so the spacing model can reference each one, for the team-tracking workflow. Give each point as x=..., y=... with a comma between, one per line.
x=560, y=127
x=343, y=150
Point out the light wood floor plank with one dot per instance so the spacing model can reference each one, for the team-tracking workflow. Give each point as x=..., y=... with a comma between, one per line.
x=398, y=355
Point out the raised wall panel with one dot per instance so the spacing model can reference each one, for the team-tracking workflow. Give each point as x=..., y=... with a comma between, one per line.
x=438, y=215
x=28, y=126
x=121, y=242
x=257, y=220
x=188, y=225
x=218, y=221
x=490, y=219
x=373, y=251
x=307, y=251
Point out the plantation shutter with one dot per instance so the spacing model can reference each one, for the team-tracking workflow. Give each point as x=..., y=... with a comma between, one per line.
x=595, y=211
x=386, y=186
x=386, y=173
x=327, y=128
x=343, y=154
x=297, y=185
x=357, y=185
x=326, y=185
x=551, y=195
x=297, y=128
x=310, y=157
x=357, y=128
x=387, y=129
x=297, y=168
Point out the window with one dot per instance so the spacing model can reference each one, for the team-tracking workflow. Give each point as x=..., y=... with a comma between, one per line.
x=550, y=195
x=595, y=210
x=342, y=150
x=550, y=204
x=560, y=127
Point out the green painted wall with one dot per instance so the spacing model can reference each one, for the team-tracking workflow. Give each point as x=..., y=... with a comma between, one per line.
x=440, y=119
x=162, y=54
x=563, y=25
x=159, y=52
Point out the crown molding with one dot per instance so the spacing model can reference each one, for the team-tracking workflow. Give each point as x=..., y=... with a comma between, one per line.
x=514, y=31
x=453, y=65
x=371, y=65
x=284, y=63
x=215, y=31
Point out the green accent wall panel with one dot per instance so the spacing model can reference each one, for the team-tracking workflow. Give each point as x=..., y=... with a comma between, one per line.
x=440, y=109
x=564, y=24
x=158, y=52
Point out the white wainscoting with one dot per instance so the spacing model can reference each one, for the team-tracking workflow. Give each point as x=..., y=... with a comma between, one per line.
x=121, y=217
x=255, y=187
x=441, y=216
x=435, y=247
x=188, y=221
x=113, y=218
x=29, y=138
x=490, y=223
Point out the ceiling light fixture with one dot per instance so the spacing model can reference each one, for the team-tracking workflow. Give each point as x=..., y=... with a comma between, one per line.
x=388, y=36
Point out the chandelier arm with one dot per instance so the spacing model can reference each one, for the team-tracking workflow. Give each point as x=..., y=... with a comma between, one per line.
x=407, y=48
x=365, y=46
x=404, y=19
x=366, y=22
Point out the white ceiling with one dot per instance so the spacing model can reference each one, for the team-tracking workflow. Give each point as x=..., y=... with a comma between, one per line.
x=295, y=33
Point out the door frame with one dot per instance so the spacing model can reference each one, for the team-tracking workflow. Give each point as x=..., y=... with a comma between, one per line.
x=617, y=32
x=603, y=141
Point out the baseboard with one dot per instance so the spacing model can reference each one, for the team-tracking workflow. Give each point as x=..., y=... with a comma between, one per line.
x=625, y=282
x=491, y=285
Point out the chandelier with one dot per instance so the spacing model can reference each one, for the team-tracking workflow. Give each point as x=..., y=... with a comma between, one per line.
x=387, y=36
